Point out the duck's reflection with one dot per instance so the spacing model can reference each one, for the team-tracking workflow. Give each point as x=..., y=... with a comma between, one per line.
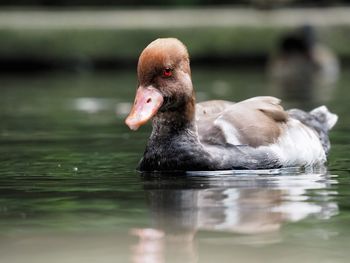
x=230, y=205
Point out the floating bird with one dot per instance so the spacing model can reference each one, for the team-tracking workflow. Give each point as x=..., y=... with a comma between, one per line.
x=256, y=133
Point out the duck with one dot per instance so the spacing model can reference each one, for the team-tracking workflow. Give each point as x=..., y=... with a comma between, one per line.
x=303, y=68
x=253, y=134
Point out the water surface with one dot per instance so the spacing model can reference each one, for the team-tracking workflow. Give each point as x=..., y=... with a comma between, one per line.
x=69, y=191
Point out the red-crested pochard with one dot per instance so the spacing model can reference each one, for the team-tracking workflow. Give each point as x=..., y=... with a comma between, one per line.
x=217, y=135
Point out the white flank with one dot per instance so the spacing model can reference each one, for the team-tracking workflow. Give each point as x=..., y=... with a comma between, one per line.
x=298, y=146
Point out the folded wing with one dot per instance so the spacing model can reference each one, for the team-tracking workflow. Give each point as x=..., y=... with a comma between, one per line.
x=255, y=122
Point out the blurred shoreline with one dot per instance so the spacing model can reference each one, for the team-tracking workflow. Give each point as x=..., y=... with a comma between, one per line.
x=85, y=39
x=169, y=18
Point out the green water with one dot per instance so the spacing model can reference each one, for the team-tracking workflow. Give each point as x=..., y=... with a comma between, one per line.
x=69, y=191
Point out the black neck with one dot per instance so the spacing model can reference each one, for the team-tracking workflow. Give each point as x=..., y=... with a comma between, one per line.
x=172, y=122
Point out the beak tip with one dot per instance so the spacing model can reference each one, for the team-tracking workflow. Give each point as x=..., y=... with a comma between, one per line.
x=132, y=126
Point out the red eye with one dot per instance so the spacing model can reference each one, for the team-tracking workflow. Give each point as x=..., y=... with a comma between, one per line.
x=167, y=72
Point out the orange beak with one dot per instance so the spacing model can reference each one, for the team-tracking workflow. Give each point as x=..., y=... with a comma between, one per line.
x=147, y=102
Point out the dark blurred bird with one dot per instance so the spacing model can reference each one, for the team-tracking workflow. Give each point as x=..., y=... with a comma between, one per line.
x=302, y=67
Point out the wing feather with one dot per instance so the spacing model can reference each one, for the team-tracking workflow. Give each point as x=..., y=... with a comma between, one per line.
x=255, y=122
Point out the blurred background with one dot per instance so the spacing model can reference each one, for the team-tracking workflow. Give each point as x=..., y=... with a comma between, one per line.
x=69, y=191
x=86, y=35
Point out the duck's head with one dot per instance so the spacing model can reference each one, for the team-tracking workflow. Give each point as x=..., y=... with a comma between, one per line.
x=164, y=81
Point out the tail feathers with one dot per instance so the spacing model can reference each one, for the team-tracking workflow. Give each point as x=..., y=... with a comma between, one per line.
x=320, y=119
x=325, y=116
